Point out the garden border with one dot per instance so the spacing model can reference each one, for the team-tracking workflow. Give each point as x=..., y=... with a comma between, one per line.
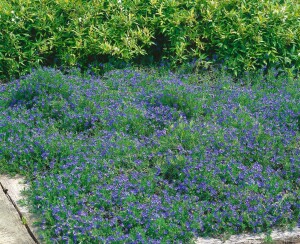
x=277, y=237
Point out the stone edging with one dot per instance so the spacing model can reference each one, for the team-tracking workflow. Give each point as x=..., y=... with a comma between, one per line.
x=278, y=237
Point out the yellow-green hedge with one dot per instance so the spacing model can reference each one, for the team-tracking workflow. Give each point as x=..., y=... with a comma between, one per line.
x=242, y=34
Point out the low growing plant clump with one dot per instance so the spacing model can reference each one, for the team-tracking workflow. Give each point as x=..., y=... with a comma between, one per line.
x=135, y=156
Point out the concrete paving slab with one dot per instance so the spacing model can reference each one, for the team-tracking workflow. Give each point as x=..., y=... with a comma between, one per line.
x=12, y=230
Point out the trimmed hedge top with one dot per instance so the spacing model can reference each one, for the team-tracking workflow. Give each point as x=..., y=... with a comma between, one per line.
x=242, y=34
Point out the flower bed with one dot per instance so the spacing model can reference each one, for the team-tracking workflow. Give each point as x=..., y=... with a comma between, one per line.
x=138, y=156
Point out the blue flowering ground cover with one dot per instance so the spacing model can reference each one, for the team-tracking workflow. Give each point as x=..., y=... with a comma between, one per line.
x=140, y=157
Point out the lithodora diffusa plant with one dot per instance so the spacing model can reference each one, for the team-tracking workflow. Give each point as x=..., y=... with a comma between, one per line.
x=138, y=156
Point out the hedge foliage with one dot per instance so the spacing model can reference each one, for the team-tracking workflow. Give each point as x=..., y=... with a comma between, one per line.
x=242, y=34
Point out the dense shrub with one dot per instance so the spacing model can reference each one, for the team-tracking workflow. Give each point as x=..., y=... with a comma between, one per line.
x=140, y=157
x=242, y=34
